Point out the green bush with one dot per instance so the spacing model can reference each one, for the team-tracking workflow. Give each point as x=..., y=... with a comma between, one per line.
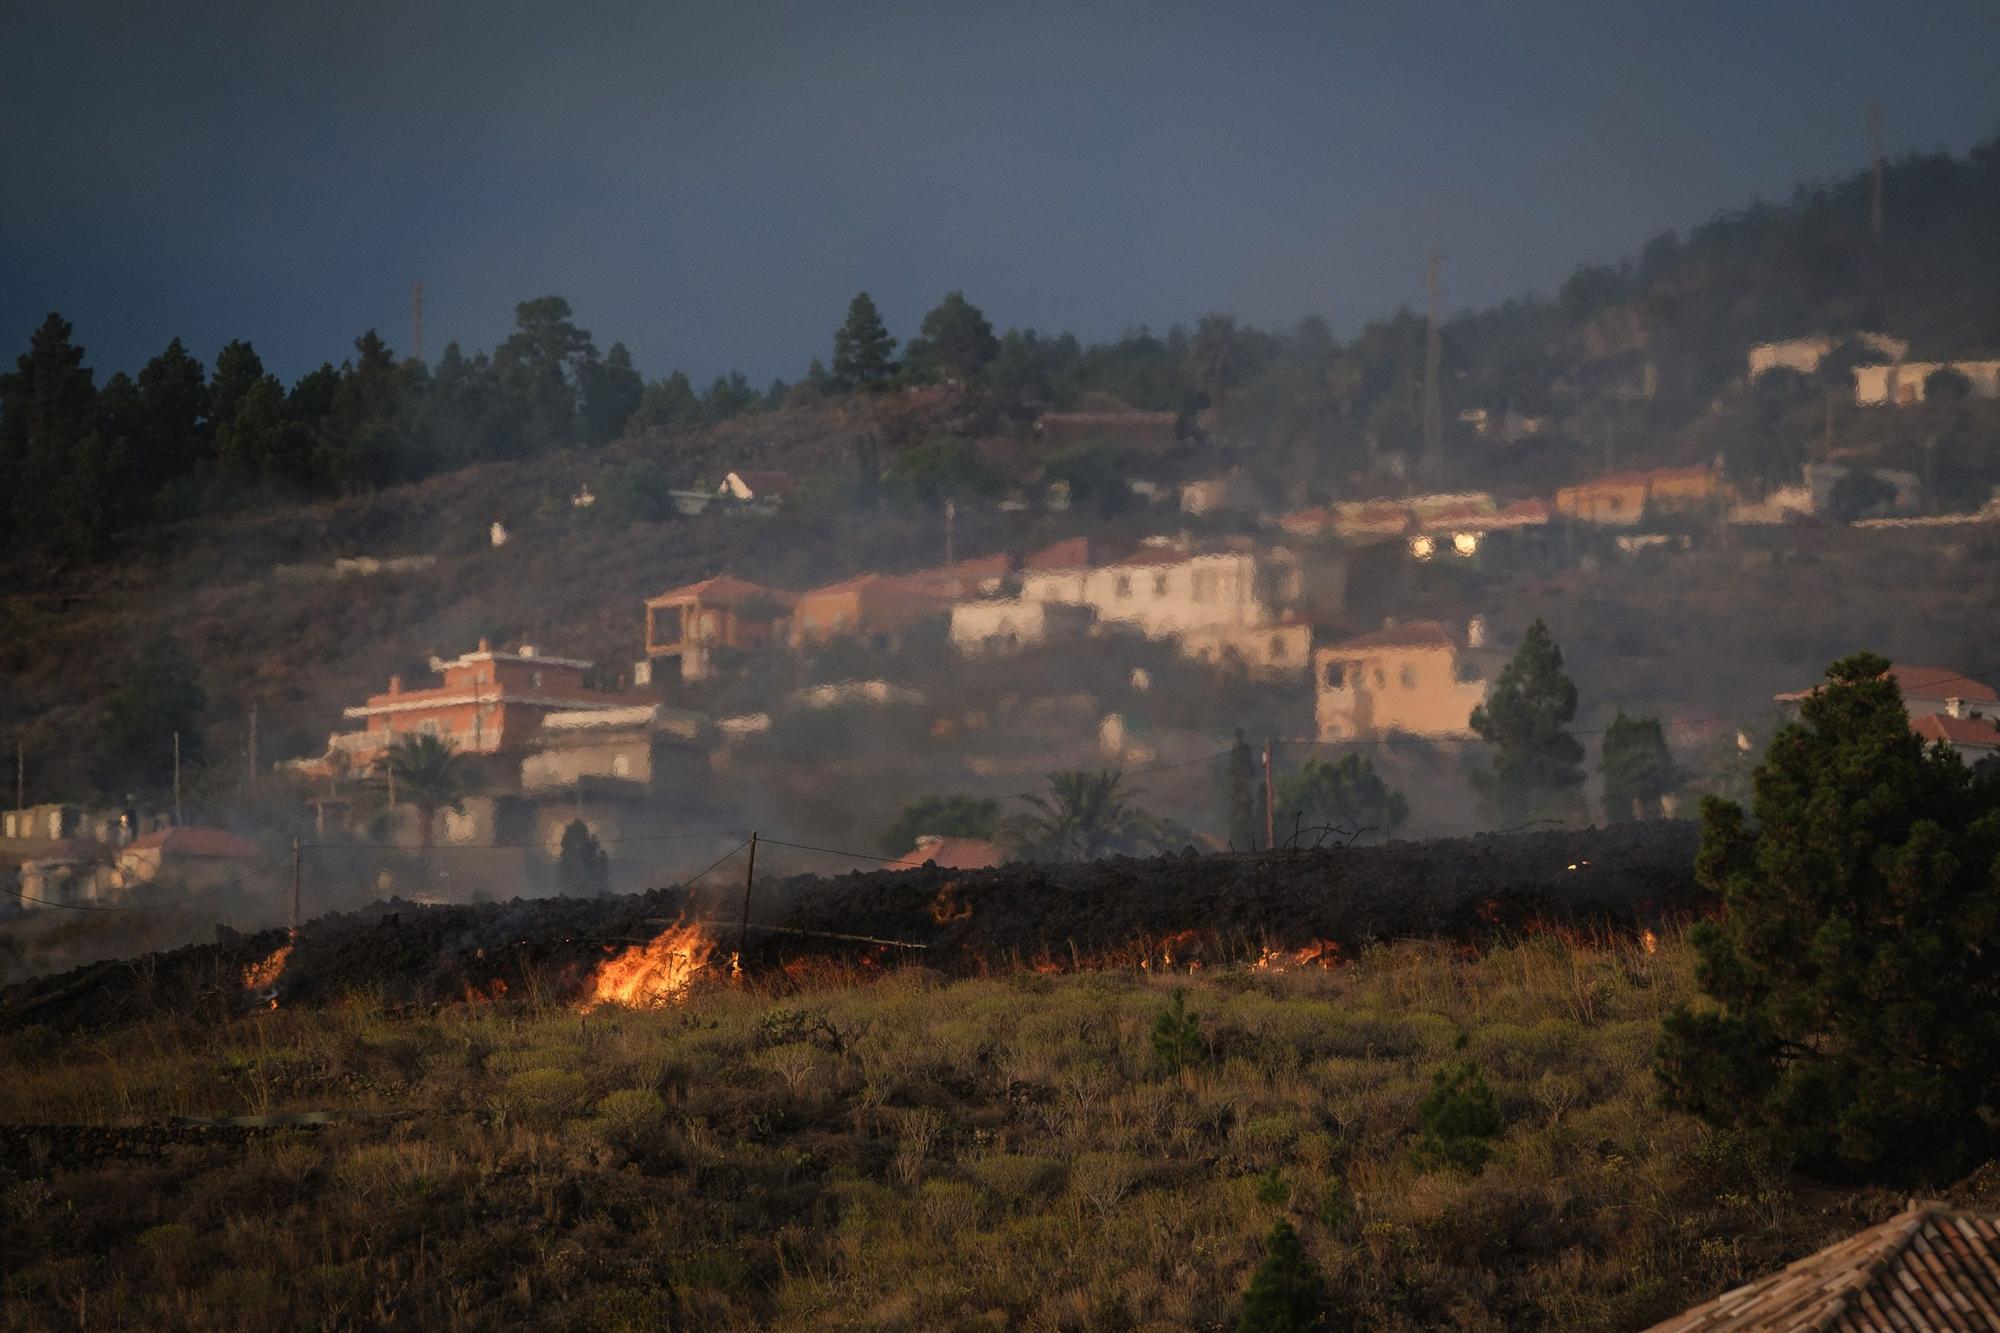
x=1177, y=1043
x=1287, y=1291
x=1457, y=1121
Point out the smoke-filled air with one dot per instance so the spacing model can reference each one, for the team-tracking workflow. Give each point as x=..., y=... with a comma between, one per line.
x=921, y=668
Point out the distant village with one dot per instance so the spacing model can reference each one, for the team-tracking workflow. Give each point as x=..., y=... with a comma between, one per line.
x=1224, y=589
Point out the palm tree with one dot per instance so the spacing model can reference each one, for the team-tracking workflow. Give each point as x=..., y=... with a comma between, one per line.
x=432, y=775
x=1082, y=817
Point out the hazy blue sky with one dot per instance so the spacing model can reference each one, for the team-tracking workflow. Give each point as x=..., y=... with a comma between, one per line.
x=711, y=182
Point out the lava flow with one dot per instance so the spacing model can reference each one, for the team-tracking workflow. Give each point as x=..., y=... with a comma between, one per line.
x=656, y=973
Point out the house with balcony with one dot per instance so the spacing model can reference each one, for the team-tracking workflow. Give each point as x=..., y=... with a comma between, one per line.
x=1413, y=679
x=687, y=626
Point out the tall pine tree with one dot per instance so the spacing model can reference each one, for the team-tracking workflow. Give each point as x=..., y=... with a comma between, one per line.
x=1535, y=763
x=863, y=352
x=1854, y=1003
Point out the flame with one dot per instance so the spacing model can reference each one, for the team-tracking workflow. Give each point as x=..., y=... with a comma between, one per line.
x=658, y=973
x=1320, y=953
x=1649, y=942
x=261, y=979
x=946, y=908
x=487, y=994
x=264, y=975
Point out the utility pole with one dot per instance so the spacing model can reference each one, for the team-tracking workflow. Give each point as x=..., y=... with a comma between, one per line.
x=1270, y=802
x=20, y=776
x=298, y=873
x=1875, y=169
x=950, y=520
x=417, y=320
x=1433, y=459
x=177, y=779
x=250, y=750
x=749, y=879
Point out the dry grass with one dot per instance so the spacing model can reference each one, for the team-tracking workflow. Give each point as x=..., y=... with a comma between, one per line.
x=991, y=1153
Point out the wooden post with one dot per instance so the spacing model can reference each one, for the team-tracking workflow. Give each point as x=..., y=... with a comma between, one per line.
x=1270, y=802
x=297, y=874
x=749, y=879
x=20, y=776
x=251, y=749
x=177, y=779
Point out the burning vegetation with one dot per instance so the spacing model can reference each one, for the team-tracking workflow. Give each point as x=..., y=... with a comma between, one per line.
x=656, y=973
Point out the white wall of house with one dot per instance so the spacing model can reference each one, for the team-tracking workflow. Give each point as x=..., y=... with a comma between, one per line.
x=1161, y=599
x=998, y=625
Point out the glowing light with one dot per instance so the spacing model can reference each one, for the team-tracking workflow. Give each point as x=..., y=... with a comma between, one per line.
x=653, y=974
x=1423, y=548
x=1465, y=543
x=262, y=978
x=1649, y=942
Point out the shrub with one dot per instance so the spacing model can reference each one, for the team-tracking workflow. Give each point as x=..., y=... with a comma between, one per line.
x=626, y=1117
x=1177, y=1041
x=1457, y=1121
x=1287, y=1291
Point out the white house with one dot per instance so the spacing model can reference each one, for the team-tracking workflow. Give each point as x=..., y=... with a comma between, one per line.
x=1903, y=383
x=1805, y=354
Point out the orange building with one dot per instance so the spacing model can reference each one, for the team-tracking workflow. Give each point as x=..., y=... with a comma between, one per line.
x=490, y=701
x=1620, y=499
x=873, y=605
x=1410, y=679
x=689, y=623
x=881, y=605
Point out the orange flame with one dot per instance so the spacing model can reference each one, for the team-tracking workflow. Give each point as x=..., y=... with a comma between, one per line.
x=946, y=908
x=646, y=975
x=487, y=994
x=262, y=978
x=264, y=975
x=1649, y=942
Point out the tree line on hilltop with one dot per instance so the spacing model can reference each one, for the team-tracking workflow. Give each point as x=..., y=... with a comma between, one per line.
x=1633, y=355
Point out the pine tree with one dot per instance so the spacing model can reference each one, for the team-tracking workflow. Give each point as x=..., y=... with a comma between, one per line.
x=1535, y=762
x=955, y=341
x=1288, y=1292
x=1638, y=768
x=1856, y=1006
x=583, y=868
x=863, y=351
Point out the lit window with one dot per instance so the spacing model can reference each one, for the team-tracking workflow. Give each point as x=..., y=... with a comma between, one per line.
x=621, y=765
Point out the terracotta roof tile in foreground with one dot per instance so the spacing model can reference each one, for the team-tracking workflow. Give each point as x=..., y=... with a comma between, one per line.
x=1928, y=1268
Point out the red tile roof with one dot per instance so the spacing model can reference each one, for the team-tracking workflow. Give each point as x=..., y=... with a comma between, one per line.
x=1941, y=683
x=953, y=853
x=722, y=590
x=1928, y=1268
x=1415, y=634
x=1957, y=730
x=190, y=840
x=1075, y=553
x=1922, y=683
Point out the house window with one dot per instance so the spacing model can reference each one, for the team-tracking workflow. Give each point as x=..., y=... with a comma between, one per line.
x=1124, y=586
x=1159, y=585
x=1277, y=647
x=1335, y=676
x=621, y=765
x=1203, y=584
x=1381, y=680
x=1409, y=677
x=537, y=678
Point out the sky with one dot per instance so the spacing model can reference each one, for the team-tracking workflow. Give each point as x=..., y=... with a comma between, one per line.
x=710, y=183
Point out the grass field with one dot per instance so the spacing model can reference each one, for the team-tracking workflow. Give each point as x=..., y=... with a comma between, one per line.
x=907, y=1152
